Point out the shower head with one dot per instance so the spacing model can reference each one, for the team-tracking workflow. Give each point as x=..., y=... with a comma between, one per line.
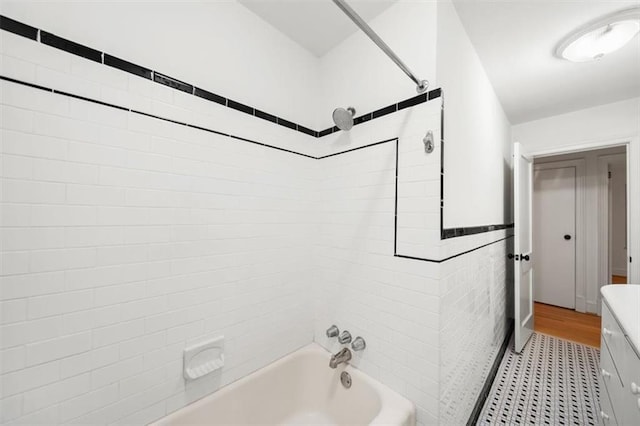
x=344, y=118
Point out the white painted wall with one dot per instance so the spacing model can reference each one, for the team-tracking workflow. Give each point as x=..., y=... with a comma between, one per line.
x=477, y=166
x=357, y=73
x=613, y=123
x=618, y=120
x=220, y=46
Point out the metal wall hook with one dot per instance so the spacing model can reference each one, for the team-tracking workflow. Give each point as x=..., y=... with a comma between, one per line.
x=428, y=142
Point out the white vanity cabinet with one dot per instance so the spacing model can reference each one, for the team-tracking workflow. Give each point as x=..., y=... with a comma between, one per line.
x=620, y=355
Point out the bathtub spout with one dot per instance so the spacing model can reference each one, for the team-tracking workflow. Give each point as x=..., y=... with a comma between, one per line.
x=343, y=356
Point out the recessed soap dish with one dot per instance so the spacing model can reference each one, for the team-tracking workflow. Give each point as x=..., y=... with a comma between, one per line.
x=203, y=358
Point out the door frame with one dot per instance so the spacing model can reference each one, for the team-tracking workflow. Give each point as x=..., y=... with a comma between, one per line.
x=523, y=328
x=604, y=228
x=581, y=227
x=632, y=145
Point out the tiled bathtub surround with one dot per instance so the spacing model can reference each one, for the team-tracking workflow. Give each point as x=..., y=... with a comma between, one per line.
x=125, y=238
x=425, y=322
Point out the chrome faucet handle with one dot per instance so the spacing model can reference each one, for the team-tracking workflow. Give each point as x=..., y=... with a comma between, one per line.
x=358, y=344
x=345, y=337
x=332, y=331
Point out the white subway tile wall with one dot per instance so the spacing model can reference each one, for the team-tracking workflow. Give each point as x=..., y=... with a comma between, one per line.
x=474, y=290
x=422, y=340
x=419, y=185
x=392, y=302
x=125, y=238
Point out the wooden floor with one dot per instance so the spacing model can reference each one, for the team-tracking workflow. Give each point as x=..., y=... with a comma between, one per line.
x=618, y=279
x=567, y=324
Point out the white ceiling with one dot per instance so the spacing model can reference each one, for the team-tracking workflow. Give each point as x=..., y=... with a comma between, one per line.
x=317, y=25
x=516, y=40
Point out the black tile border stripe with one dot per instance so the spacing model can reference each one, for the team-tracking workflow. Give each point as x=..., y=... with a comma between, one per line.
x=308, y=131
x=472, y=230
x=265, y=116
x=18, y=28
x=384, y=111
x=491, y=377
x=72, y=47
x=172, y=82
x=127, y=66
x=413, y=101
x=201, y=93
x=287, y=123
x=240, y=107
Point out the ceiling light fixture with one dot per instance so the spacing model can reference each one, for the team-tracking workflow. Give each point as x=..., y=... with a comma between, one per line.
x=600, y=37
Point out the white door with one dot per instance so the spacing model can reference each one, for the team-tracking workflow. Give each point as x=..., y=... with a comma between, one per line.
x=522, y=246
x=554, y=222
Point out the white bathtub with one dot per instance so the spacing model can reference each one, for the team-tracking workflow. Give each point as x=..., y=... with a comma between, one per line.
x=299, y=389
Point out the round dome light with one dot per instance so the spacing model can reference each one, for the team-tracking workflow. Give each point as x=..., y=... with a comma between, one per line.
x=602, y=37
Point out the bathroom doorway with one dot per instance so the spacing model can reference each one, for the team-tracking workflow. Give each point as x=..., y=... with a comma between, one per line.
x=579, y=217
x=616, y=217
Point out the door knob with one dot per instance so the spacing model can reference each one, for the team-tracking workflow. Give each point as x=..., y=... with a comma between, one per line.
x=567, y=237
x=510, y=256
x=524, y=257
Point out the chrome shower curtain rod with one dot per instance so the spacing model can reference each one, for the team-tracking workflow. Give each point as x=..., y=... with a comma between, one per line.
x=342, y=4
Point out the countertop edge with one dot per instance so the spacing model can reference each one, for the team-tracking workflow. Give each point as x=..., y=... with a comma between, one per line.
x=623, y=324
